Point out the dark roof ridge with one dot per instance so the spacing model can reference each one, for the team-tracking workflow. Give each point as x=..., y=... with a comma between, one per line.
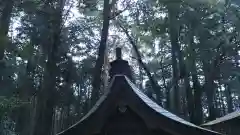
x=227, y=117
x=161, y=110
x=94, y=108
x=139, y=94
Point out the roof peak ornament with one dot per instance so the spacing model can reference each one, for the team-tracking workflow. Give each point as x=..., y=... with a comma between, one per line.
x=120, y=66
x=119, y=53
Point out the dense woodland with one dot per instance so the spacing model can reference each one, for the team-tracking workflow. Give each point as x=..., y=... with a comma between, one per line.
x=55, y=54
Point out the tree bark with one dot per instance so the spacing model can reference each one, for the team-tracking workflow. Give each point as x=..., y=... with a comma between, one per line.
x=69, y=92
x=189, y=97
x=198, y=112
x=209, y=89
x=4, y=24
x=173, y=32
x=25, y=93
x=211, y=68
x=5, y=18
x=197, y=115
x=229, y=98
x=46, y=102
x=101, y=52
x=223, y=107
x=185, y=74
x=210, y=73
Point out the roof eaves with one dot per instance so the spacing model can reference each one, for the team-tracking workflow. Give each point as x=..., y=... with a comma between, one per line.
x=95, y=107
x=224, y=118
x=161, y=110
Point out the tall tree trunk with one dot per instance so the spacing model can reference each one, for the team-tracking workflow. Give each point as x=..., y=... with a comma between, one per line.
x=167, y=88
x=217, y=103
x=228, y=94
x=198, y=112
x=46, y=102
x=197, y=88
x=210, y=73
x=35, y=107
x=25, y=93
x=105, y=71
x=4, y=24
x=32, y=115
x=223, y=107
x=173, y=32
x=69, y=92
x=5, y=17
x=210, y=90
x=189, y=97
x=183, y=71
x=211, y=69
x=210, y=86
x=101, y=52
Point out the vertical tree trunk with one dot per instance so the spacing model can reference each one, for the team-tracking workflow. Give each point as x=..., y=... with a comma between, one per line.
x=223, y=107
x=173, y=32
x=183, y=71
x=198, y=112
x=211, y=69
x=217, y=103
x=189, y=97
x=69, y=93
x=210, y=73
x=101, y=51
x=4, y=24
x=228, y=94
x=25, y=93
x=167, y=88
x=46, y=102
x=197, y=102
x=32, y=115
x=5, y=17
x=210, y=90
x=105, y=71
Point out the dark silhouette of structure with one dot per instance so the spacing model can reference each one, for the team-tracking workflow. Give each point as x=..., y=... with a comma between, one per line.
x=120, y=66
x=228, y=124
x=126, y=110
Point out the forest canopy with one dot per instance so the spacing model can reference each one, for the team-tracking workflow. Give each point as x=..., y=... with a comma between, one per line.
x=55, y=55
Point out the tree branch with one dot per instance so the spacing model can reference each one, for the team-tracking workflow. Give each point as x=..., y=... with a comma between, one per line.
x=156, y=87
x=114, y=14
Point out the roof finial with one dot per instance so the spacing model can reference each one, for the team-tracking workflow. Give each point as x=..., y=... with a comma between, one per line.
x=118, y=53
x=120, y=66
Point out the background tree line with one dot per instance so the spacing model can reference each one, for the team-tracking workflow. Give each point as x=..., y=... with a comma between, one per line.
x=54, y=58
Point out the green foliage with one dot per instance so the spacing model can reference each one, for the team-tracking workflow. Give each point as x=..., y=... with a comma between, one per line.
x=8, y=104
